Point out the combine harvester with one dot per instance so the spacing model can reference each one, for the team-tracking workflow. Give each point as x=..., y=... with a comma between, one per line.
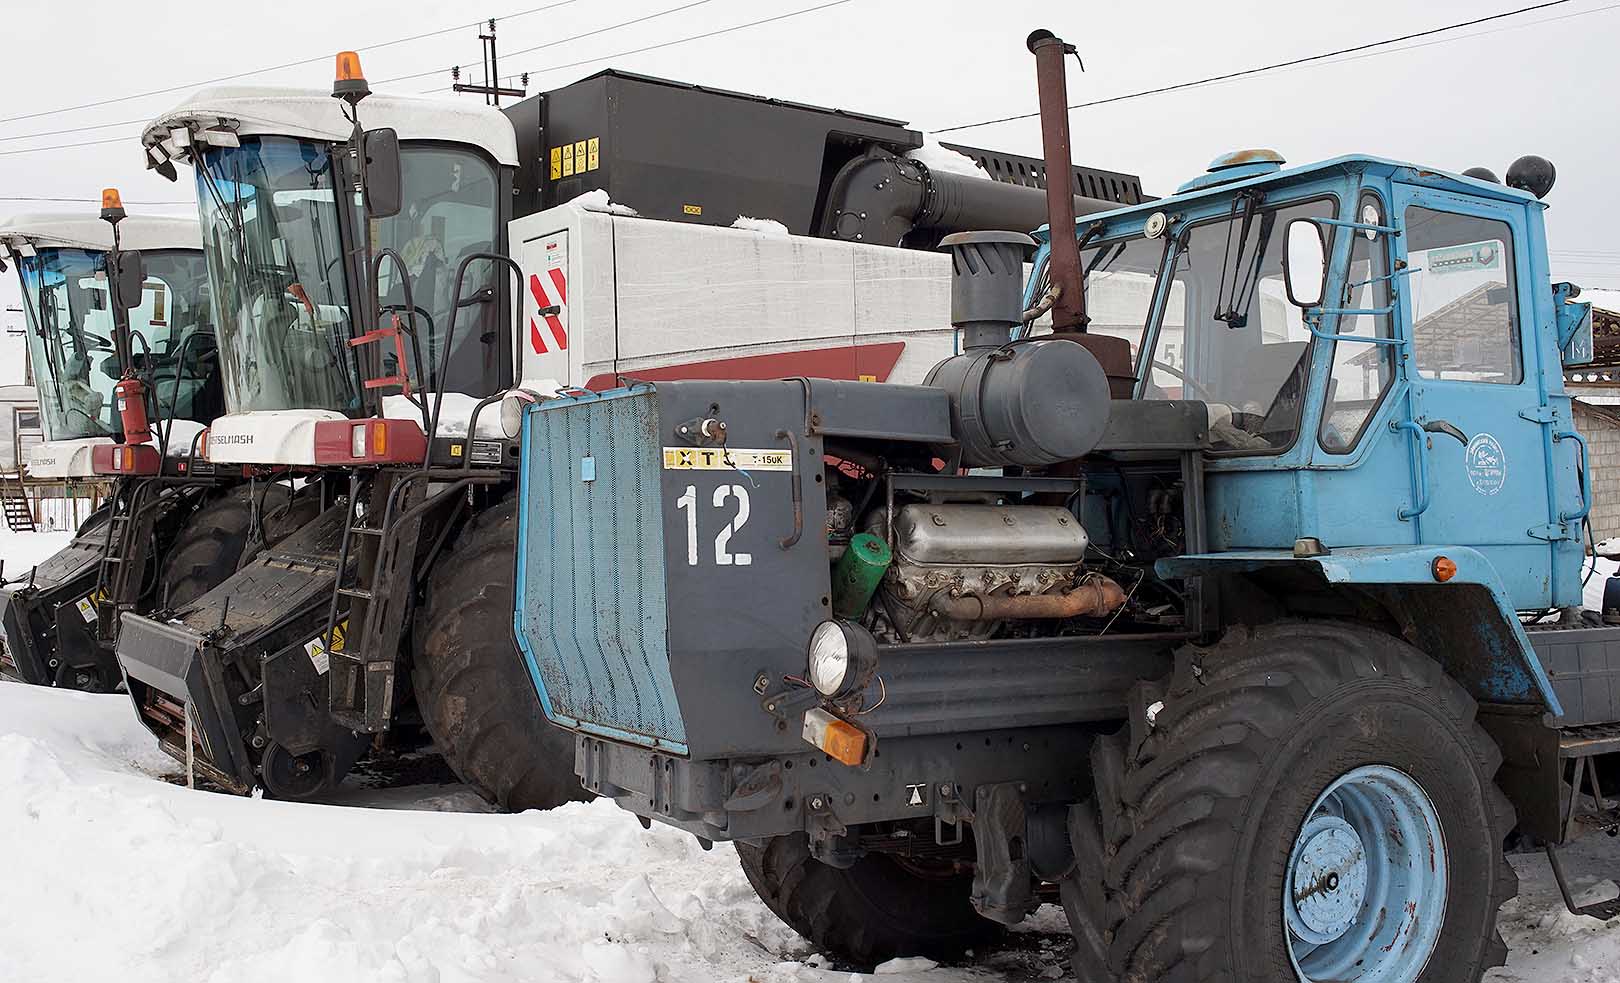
x=391, y=358
x=121, y=335
x=1254, y=670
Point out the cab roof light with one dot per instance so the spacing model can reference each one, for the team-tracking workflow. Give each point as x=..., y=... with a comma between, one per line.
x=112, y=205
x=350, y=82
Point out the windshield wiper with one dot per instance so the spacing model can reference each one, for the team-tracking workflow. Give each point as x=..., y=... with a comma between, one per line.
x=1234, y=308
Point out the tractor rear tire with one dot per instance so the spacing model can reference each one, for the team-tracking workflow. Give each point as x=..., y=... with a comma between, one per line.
x=1207, y=801
x=871, y=912
x=472, y=684
x=220, y=535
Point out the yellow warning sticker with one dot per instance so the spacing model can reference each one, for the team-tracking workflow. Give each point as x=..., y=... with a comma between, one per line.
x=692, y=209
x=455, y=450
x=320, y=653
x=568, y=160
x=726, y=459
x=579, y=157
x=593, y=147
x=556, y=163
x=868, y=378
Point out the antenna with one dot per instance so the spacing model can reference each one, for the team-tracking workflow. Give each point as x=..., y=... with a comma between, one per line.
x=491, y=89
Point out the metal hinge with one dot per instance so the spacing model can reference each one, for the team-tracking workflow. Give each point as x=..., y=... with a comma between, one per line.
x=1540, y=414
x=1552, y=532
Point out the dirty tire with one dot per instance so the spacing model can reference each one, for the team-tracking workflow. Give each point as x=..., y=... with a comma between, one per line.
x=872, y=912
x=472, y=684
x=1198, y=812
x=219, y=536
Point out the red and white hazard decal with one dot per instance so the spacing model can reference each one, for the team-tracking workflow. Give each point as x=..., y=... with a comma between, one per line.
x=549, y=289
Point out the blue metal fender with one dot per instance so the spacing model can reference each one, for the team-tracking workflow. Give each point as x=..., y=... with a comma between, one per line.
x=1467, y=624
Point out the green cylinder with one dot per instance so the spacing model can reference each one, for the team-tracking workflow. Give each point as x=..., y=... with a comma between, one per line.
x=858, y=573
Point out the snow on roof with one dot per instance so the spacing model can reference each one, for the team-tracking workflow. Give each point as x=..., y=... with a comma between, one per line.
x=315, y=114
x=1608, y=300
x=45, y=230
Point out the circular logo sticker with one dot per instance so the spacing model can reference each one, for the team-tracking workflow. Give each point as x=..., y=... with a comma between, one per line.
x=1486, y=464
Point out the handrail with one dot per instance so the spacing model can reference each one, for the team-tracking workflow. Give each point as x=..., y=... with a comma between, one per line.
x=1422, y=504
x=1586, y=478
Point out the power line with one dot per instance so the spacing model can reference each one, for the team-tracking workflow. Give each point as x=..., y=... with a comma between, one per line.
x=694, y=37
x=575, y=37
x=277, y=68
x=1273, y=66
x=71, y=129
x=68, y=146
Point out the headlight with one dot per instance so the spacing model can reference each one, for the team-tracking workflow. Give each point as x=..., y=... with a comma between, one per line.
x=842, y=658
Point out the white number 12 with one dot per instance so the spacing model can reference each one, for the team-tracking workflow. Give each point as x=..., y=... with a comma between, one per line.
x=722, y=554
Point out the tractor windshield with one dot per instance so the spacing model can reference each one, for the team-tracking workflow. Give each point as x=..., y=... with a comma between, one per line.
x=1228, y=335
x=275, y=256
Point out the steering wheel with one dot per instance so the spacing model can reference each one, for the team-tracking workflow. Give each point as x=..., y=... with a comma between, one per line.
x=1205, y=394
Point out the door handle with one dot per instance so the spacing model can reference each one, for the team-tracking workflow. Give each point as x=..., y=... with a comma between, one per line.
x=1442, y=426
x=1422, y=504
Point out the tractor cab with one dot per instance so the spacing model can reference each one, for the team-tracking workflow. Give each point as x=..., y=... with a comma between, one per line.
x=1364, y=333
x=312, y=334
x=62, y=262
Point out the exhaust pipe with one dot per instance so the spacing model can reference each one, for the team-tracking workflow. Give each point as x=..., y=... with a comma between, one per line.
x=1069, y=307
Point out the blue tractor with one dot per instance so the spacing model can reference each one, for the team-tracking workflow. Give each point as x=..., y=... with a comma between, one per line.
x=1240, y=614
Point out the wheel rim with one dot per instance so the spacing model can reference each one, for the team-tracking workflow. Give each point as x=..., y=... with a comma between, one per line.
x=1365, y=890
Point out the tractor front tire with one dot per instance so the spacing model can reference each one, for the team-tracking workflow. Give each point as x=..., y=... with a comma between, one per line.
x=472, y=684
x=871, y=912
x=1303, y=801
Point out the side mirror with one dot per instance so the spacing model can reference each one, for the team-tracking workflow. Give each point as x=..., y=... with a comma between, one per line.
x=383, y=190
x=1305, y=262
x=131, y=278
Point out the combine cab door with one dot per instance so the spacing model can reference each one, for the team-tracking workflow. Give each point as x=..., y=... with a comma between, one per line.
x=1472, y=364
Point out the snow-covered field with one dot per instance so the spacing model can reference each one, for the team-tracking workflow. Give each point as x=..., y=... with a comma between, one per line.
x=109, y=869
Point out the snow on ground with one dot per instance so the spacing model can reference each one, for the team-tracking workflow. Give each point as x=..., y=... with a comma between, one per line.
x=165, y=883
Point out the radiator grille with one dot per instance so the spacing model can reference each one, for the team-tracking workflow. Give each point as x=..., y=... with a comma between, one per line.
x=591, y=607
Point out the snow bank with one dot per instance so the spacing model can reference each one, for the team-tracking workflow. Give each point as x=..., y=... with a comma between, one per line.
x=597, y=201
x=190, y=885
x=938, y=158
x=768, y=226
x=21, y=550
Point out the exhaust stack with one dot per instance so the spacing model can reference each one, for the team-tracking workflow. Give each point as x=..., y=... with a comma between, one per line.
x=1069, y=311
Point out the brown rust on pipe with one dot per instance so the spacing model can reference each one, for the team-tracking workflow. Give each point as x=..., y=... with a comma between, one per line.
x=1097, y=597
x=1069, y=310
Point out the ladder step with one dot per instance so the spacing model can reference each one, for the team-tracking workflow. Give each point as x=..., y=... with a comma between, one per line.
x=363, y=595
x=365, y=531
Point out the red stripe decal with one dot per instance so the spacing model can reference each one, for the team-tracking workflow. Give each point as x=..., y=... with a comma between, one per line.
x=535, y=339
x=560, y=283
x=849, y=362
x=557, y=333
x=538, y=290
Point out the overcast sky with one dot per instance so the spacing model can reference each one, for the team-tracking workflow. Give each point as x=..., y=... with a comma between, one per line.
x=1543, y=82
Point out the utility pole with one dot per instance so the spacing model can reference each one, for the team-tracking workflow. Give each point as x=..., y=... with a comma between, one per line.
x=491, y=89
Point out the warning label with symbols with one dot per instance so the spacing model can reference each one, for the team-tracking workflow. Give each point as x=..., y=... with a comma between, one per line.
x=726, y=459
x=317, y=650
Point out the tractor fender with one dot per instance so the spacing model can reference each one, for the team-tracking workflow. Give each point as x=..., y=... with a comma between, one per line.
x=1466, y=623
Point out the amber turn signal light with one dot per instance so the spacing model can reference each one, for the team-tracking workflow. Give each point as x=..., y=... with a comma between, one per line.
x=1443, y=568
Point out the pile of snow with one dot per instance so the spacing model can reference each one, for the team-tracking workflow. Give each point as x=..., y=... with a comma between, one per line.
x=181, y=435
x=939, y=158
x=766, y=226
x=455, y=415
x=193, y=885
x=1608, y=300
x=22, y=550
x=597, y=201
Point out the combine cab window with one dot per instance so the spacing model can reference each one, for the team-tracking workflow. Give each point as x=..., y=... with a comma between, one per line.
x=452, y=211
x=70, y=340
x=1465, y=324
x=1229, y=335
x=270, y=227
x=175, y=326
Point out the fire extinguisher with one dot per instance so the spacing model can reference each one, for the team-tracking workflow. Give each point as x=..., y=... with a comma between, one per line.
x=130, y=395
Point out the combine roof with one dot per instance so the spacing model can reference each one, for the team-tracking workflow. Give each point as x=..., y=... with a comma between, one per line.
x=315, y=115
x=46, y=230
